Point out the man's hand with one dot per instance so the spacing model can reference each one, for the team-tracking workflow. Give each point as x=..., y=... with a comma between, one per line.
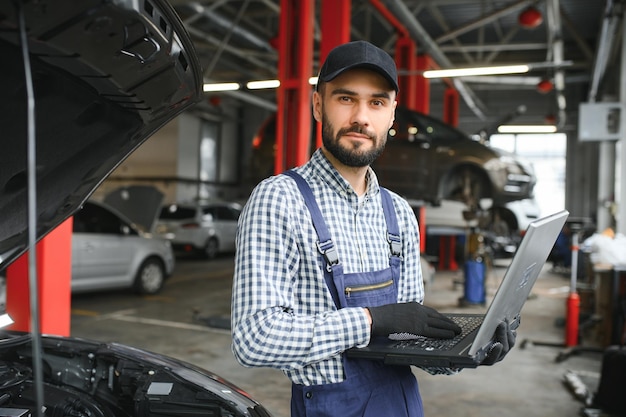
x=503, y=341
x=412, y=318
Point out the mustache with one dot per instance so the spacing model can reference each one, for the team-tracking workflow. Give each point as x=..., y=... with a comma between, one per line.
x=361, y=130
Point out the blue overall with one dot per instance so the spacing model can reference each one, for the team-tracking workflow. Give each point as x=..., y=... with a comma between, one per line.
x=371, y=388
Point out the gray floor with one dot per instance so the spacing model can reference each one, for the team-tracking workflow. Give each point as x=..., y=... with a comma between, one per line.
x=184, y=322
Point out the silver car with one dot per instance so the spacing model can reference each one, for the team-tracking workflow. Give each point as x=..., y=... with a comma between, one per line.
x=206, y=227
x=110, y=252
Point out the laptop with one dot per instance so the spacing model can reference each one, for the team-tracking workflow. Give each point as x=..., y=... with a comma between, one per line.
x=469, y=348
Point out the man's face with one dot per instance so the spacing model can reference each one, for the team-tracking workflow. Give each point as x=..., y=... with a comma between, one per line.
x=356, y=110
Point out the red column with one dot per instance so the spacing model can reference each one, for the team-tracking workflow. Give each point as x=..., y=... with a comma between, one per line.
x=293, y=118
x=54, y=270
x=335, y=26
x=447, y=252
x=451, y=106
x=406, y=61
x=422, y=87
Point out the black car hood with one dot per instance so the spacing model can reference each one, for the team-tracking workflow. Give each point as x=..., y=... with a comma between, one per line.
x=88, y=378
x=105, y=76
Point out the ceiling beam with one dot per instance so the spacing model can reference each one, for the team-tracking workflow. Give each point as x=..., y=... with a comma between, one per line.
x=428, y=45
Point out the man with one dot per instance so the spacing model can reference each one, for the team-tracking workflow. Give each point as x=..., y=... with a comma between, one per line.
x=326, y=259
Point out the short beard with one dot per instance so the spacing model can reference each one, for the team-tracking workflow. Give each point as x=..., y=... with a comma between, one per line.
x=351, y=157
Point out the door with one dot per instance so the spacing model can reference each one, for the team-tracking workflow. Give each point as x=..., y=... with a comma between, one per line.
x=102, y=249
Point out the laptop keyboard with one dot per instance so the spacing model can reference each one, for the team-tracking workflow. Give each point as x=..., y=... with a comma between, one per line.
x=467, y=323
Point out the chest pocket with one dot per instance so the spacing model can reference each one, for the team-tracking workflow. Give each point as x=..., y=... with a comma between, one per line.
x=369, y=289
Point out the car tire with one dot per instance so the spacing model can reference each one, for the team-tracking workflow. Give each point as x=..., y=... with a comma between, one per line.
x=468, y=185
x=150, y=277
x=211, y=248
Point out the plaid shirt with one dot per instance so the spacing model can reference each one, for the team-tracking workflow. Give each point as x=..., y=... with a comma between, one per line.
x=283, y=315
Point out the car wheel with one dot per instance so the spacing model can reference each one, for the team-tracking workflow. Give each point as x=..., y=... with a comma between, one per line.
x=150, y=277
x=211, y=248
x=498, y=225
x=469, y=186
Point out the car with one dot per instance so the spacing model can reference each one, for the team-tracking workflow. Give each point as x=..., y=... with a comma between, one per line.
x=428, y=161
x=503, y=226
x=203, y=227
x=84, y=84
x=111, y=252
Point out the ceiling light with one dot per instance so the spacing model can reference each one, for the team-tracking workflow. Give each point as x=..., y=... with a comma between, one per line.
x=464, y=72
x=259, y=85
x=221, y=87
x=313, y=80
x=527, y=129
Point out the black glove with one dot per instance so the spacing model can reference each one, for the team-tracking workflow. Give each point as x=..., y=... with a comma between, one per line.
x=503, y=341
x=412, y=318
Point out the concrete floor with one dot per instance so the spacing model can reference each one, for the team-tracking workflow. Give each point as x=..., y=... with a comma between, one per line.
x=184, y=322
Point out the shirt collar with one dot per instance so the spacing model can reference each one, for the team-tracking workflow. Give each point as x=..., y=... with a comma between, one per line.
x=322, y=167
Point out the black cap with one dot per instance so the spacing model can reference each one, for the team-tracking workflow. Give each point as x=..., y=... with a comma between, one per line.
x=359, y=54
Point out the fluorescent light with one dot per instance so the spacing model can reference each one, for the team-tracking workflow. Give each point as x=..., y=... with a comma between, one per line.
x=259, y=85
x=252, y=85
x=459, y=72
x=221, y=87
x=464, y=72
x=527, y=129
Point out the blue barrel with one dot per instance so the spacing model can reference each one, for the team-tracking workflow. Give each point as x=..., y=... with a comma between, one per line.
x=474, y=287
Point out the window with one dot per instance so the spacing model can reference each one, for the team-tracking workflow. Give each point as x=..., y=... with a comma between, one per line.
x=95, y=219
x=547, y=153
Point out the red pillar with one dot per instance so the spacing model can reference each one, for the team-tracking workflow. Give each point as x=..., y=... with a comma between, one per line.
x=293, y=118
x=335, y=26
x=422, y=87
x=54, y=270
x=451, y=106
x=447, y=251
x=406, y=62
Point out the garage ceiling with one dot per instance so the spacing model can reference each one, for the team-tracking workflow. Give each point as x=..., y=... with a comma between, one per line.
x=576, y=47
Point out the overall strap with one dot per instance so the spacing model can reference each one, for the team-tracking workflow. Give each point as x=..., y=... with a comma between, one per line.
x=393, y=232
x=325, y=245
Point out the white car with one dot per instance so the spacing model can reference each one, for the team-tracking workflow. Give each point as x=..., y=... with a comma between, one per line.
x=111, y=252
x=516, y=215
x=503, y=225
x=208, y=227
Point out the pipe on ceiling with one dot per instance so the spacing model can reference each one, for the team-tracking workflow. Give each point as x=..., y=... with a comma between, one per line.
x=426, y=43
x=608, y=33
x=229, y=25
x=555, y=43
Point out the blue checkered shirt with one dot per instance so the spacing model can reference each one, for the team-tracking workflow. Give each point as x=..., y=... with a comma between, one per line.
x=283, y=315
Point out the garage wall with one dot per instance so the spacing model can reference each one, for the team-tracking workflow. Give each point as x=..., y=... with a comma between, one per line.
x=155, y=158
x=171, y=159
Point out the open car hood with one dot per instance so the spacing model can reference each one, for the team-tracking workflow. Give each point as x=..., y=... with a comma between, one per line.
x=105, y=76
x=141, y=204
x=88, y=378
